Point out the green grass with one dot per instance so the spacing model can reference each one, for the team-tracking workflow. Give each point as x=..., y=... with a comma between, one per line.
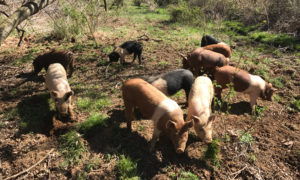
x=71, y=147
x=30, y=56
x=278, y=82
x=186, y=175
x=212, y=153
x=296, y=104
x=95, y=120
x=126, y=168
x=89, y=104
x=246, y=138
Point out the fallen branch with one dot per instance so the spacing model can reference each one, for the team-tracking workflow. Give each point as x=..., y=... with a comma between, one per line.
x=148, y=38
x=238, y=172
x=25, y=171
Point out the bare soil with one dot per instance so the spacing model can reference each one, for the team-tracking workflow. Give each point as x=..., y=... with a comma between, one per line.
x=273, y=154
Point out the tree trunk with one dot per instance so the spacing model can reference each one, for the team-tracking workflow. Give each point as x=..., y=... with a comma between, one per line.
x=21, y=14
x=105, y=5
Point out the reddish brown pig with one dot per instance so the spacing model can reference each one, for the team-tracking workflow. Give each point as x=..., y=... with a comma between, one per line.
x=60, y=91
x=65, y=58
x=220, y=48
x=243, y=82
x=153, y=104
x=204, y=59
x=200, y=99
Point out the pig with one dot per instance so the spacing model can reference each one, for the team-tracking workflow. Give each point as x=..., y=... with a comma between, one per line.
x=199, y=109
x=220, y=48
x=167, y=116
x=204, y=59
x=125, y=49
x=243, y=82
x=60, y=91
x=171, y=82
x=65, y=58
x=208, y=40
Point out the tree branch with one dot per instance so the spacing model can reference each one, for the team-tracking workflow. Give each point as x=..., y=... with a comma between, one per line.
x=24, y=12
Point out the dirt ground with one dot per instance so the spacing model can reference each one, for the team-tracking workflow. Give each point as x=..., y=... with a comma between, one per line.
x=273, y=154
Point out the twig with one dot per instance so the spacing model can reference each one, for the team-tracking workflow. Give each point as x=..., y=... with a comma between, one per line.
x=238, y=172
x=25, y=171
x=22, y=35
x=2, y=12
x=148, y=38
x=106, y=70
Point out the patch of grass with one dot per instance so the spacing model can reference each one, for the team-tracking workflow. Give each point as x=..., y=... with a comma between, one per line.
x=188, y=176
x=107, y=49
x=93, y=102
x=239, y=27
x=126, y=168
x=282, y=40
x=163, y=64
x=95, y=120
x=30, y=55
x=276, y=97
x=263, y=71
x=79, y=46
x=278, y=82
x=84, y=104
x=179, y=94
x=11, y=114
x=1, y=125
x=71, y=147
x=212, y=153
x=296, y=104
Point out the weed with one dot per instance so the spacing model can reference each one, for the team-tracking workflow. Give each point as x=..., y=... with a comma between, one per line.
x=246, y=138
x=84, y=103
x=107, y=49
x=179, y=94
x=276, y=97
x=258, y=112
x=252, y=157
x=30, y=55
x=1, y=125
x=163, y=64
x=72, y=147
x=212, y=153
x=126, y=168
x=79, y=46
x=140, y=128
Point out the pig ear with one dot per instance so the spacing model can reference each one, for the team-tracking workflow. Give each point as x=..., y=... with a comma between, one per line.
x=68, y=94
x=187, y=125
x=54, y=93
x=196, y=119
x=171, y=124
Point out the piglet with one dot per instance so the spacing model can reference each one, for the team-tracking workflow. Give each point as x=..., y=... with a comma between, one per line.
x=153, y=104
x=171, y=82
x=202, y=59
x=243, y=82
x=199, y=109
x=60, y=91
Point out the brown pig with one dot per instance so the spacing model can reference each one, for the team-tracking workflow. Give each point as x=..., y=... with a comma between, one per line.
x=199, y=109
x=204, y=59
x=220, y=48
x=243, y=82
x=153, y=104
x=60, y=91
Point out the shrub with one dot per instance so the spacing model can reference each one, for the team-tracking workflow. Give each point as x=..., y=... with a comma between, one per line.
x=184, y=13
x=162, y=3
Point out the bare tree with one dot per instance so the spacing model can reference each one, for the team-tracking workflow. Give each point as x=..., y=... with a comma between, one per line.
x=25, y=11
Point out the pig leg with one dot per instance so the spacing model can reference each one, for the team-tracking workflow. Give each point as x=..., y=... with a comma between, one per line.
x=253, y=98
x=140, y=58
x=129, y=114
x=154, y=139
x=70, y=109
x=134, y=57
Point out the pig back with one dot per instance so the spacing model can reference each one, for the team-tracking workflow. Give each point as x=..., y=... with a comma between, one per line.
x=56, y=78
x=143, y=95
x=219, y=48
x=241, y=79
